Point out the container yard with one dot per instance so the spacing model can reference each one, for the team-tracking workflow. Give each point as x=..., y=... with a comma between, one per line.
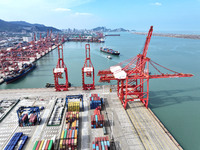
x=122, y=129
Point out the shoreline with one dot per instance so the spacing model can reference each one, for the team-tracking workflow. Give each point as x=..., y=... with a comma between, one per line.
x=185, y=36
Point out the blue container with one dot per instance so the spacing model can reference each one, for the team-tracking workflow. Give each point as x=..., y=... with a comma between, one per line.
x=105, y=142
x=93, y=146
x=102, y=145
x=108, y=143
x=97, y=147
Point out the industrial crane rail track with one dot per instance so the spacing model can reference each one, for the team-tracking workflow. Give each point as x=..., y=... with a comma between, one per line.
x=150, y=138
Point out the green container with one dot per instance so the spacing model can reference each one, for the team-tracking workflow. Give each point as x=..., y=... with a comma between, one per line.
x=65, y=135
x=50, y=145
x=34, y=147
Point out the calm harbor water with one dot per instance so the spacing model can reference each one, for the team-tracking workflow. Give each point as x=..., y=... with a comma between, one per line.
x=175, y=101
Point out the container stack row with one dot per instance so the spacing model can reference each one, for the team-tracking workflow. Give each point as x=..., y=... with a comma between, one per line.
x=44, y=145
x=101, y=143
x=97, y=120
x=72, y=120
x=25, y=120
x=69, y=139
x=74, y=106
x=18, y=138
x=95, y=101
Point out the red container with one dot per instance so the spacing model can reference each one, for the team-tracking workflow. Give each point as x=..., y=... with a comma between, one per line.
x=38, y=145
x=96, y=140
x=72, y=142
x=67, y=143
x=47, y=145
x=99, y=145
x=25, y=117
x=33, y=119
x=106, y=147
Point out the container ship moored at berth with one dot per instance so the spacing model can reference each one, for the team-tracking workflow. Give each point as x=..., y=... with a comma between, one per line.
x=20, y=73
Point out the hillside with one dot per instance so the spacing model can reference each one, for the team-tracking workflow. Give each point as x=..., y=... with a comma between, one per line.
x=18, y=26
x=104, y=29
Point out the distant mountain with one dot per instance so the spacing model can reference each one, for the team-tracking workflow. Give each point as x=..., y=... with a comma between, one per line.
x=104, y=29
x=18, y=26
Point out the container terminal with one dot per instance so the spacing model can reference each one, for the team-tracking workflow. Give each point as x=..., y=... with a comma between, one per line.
x=133, y=128
x=88, y=117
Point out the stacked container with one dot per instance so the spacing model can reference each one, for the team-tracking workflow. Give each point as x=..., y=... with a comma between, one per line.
x=28, y=121
x=17, y=138
x=101, y=143
x=72, y=120
x=97, y=120
x=74, y=106
x=24, y=119
x=68, y=139
x=44, y=145
x=33, y=119
x=95, y=101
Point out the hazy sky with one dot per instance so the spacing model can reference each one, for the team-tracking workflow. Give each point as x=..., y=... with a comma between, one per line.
x=129, y=14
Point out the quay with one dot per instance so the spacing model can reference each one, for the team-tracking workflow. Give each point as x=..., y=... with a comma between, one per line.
x=134, y=128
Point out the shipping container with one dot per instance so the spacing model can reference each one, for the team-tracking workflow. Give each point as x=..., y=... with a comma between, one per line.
x=36, y=143
x=47, y=145
x=101, y=143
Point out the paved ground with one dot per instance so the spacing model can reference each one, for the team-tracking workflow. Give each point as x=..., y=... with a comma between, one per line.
x=137, y=128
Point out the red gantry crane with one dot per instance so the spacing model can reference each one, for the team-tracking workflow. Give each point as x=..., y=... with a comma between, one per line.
x=59, y=70
x=133, y=76
x=88, y=70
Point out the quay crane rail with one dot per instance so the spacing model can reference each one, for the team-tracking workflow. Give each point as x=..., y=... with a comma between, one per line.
x=133, y=75
x=88, y=70
x=59, y=70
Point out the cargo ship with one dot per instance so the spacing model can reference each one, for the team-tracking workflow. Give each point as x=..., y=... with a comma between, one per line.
x=109, y=51
x=20, y=73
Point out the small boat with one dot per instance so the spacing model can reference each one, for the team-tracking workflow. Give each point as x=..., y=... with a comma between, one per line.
x=109, y=57
x=13, y=76
x=109, y=51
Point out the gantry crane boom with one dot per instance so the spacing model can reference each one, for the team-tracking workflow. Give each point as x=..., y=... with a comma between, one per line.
x=133, y=75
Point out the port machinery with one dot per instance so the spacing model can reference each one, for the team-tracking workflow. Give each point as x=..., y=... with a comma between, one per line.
x=88, y=70
x=59, y=71
x=133, y=76
x=30, y=110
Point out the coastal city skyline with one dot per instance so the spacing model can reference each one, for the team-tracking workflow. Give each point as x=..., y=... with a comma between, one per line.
x=80, y=14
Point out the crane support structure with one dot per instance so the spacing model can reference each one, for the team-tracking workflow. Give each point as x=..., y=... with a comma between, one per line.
x=88, y=70
x=133, y=76
x=59, y=71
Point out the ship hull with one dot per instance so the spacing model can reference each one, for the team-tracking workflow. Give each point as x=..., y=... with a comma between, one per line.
x=19, y=76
